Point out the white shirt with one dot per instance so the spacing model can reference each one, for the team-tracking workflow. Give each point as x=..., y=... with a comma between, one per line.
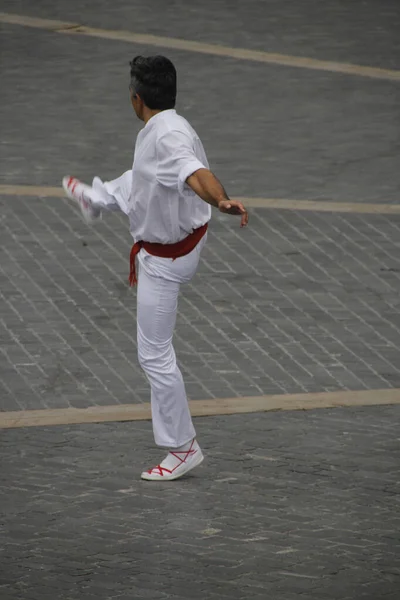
x=160, y=205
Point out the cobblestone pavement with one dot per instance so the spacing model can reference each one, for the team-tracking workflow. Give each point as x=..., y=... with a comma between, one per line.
x=287, y=506
x=298, y=302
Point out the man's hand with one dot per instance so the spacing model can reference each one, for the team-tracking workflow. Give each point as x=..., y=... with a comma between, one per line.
x=208, y=188
x=233, y=207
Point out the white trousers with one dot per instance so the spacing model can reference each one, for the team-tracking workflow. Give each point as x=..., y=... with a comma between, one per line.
x=157, y=303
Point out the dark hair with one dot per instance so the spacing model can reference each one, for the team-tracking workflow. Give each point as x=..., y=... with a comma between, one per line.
x=154, y=79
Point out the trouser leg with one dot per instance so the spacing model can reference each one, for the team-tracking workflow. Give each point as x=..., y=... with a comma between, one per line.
x=157, y=302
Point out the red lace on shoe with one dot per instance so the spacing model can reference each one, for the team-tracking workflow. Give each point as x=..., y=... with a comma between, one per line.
x=186, y=454
x=72, y=183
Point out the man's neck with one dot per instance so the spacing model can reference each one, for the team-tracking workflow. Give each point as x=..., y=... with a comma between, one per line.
x=148, y=113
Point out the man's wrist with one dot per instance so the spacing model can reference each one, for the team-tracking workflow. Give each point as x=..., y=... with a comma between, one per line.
x=222, y=199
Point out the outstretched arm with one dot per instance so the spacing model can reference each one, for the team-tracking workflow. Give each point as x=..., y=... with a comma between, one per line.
x=112, y=195
x=208, y=188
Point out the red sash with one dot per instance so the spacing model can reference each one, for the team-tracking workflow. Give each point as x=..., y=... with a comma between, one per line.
x=173, y=251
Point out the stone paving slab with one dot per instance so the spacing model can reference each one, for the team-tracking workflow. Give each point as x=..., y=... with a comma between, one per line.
x=296, y=303
x=286, y=506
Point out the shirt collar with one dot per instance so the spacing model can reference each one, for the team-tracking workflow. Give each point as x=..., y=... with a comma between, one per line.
x=155, y=117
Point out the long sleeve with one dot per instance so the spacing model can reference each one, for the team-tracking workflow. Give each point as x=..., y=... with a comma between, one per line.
x=113, y=195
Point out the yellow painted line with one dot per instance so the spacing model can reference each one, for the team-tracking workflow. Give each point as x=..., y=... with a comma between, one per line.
x=36, y=22
x=201, y=408
x=320, y=205
x=42, y=191
x=279, y=203
x=199, y=47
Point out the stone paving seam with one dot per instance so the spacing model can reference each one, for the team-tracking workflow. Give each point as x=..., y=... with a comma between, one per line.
x=69, y=249
x=322, y=251
x=19, y=385
x=296, y=365
x=371, y=329
x=16, y=367
x=255, y=353
x=291, y=261
x=370, y=240
x=27, y=369
x=67, y=294
x=241, y=353
x=352, y=256
x=190, y=346
x=309, y=226
x=288, y=317
x=73, y=327
x=186, y=299
x=356, y=314
x=196, y=309
x=294, y=323
x=336, y=327
x=291, y=339
x=50, y=350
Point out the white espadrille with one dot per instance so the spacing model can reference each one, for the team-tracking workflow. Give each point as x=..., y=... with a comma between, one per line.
x=80, y=193
x=176, y=464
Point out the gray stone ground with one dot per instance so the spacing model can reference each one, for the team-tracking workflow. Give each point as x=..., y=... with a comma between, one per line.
x=298, y=302
x=287, y=505
x=268, y=130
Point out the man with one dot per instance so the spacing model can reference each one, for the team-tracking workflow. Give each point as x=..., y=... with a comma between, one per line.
x=167, y=196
